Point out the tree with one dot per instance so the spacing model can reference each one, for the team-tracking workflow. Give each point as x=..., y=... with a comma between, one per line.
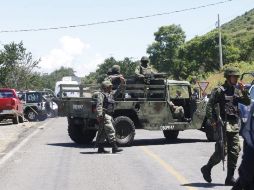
x=202, y=53
x=49, y=80
x=16, y=65
x=164, y=52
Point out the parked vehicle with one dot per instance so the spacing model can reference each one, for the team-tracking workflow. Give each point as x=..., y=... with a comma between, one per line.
x=33, y=105
x=11, y=106
x=72, y=81
x=138, y=106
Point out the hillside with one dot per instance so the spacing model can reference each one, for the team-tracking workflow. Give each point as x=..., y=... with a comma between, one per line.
x=241, y=28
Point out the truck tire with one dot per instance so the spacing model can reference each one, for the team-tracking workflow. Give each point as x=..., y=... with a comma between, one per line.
x=15, y=119
x=80, y=136
x=125, y=130
x=171, y=135
x=31, y=115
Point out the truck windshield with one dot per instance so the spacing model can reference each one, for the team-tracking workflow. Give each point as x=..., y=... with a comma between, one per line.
x=178, y=91
x=6, y=94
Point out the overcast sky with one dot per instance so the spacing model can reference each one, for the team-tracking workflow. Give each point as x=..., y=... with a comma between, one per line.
x=83, y=48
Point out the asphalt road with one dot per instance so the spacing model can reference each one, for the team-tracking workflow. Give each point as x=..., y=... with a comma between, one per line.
x=48, y=160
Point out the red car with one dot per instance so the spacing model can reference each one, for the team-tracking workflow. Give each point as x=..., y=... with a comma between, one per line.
x=10, y=106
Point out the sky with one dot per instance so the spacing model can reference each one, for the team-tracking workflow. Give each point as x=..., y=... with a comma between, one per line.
x=84, y=48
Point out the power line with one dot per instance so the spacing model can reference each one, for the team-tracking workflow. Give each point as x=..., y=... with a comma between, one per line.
x=114, y=21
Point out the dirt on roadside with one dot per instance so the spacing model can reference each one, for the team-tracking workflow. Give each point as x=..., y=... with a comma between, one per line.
x=10, y=133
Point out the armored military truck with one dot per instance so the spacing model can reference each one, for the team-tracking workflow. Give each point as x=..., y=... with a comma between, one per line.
x=146, y=105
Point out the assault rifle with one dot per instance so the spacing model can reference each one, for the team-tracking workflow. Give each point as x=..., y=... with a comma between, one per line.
x=220, y=140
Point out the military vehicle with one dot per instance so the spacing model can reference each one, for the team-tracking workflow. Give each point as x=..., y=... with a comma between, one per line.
x=144, y=105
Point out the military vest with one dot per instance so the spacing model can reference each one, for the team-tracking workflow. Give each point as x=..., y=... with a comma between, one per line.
x=108, y=103
x=228, y=103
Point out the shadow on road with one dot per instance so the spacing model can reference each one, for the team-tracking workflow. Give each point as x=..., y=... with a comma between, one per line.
x=137, y=142
x=71, y=145
x=205, y=185
x=162, y=141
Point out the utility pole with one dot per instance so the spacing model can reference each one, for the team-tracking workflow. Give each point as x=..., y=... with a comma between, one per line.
x=220, y=46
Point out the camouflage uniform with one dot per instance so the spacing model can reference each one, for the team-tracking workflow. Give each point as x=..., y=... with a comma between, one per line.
x=228, y=97
x=144, y=68
x=178, y=111
x=105, y=109
x=117, y=80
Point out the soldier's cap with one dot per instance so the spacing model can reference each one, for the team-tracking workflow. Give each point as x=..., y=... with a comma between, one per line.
x=106, y=83
x=144, y=59
x=231, y=71
x=115, y=69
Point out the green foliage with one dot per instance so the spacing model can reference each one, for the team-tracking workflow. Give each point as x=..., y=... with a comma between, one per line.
x=203, y=53
x=164, y=52
x=16, y=67
x=49, y=80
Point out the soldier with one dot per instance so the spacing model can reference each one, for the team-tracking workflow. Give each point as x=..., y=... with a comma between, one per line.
x=246, y=169
x=144, y=68
x=228, y=97
x=117, y=80
x=115, y=77
x=105, y=109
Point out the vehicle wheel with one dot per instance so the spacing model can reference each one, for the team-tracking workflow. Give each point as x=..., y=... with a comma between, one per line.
x=209, y=131
x=125, y=130
x=80, y=136
x=31, y=115
x=21, y=119
x=170, y=135
x=15, y=119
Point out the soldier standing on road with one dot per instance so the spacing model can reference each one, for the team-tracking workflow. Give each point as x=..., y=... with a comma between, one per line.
x=228, y=97
x=105, y=109
x=246, y=169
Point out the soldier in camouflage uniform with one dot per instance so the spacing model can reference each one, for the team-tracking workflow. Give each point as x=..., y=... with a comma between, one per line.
x=115, y=77
x=117, y=80
x=228, y=97
x=144, y=68
x=105, y=109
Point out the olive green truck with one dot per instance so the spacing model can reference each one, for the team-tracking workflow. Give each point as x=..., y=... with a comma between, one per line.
x=137, y=106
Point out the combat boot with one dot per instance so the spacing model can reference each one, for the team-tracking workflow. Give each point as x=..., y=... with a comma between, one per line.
x=206, y=171
x=101, y=150
x=115, y=148
x=230, y=180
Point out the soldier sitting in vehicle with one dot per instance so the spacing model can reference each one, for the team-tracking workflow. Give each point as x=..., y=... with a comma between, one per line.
x=117, y=80
x=178, y=112
x=144, y=71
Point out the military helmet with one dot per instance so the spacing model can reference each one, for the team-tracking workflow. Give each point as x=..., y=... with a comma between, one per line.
x=231, y=71
x=105, y=84
x=144, y=59
x=115, y=69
